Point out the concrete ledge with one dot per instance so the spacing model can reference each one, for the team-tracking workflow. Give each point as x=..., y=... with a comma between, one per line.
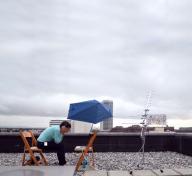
x=166, y=172
x=37, y=171
x=95, y=173
x=119, y=173
x=186, y=171
x=143, y=173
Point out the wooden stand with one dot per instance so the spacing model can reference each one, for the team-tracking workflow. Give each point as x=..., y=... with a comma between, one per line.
x=86, y=150
x=31, y=150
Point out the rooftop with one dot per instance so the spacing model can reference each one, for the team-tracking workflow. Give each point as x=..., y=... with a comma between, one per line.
x=113, y=161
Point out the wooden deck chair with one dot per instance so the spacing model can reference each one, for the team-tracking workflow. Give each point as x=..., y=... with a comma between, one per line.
x=85, y=150
x=31, y=150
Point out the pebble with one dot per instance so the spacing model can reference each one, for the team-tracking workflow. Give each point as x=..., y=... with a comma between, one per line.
x=114, y=161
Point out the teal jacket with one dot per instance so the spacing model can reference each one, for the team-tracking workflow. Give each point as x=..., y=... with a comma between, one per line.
x=51, y=134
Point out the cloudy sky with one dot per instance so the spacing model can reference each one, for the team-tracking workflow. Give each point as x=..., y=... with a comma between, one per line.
x=55, y=52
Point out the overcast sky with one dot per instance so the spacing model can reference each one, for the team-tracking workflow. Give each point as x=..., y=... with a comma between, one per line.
x=55, y=52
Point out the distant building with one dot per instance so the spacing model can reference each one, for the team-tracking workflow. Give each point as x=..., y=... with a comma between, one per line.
x=157, y=120
x=185, y=130
x=80, y=127
x=137, y=129
x=131, y=129
x=55, y=122
x=17, y=130
x=76, y=126
x=108, y=123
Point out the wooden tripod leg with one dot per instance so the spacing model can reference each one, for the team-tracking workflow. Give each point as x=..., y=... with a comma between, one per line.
x=23, y=159
x=80, y=161
x=44, y=160
x=93, y=159
x=33, y=158
x=90, y=144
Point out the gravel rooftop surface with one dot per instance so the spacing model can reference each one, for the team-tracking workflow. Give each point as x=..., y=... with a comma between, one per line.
x=113, y=161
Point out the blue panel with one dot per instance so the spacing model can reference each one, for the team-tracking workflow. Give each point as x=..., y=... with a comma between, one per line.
x=89, y=111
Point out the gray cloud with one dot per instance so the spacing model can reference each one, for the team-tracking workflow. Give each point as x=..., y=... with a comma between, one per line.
x=56, y=52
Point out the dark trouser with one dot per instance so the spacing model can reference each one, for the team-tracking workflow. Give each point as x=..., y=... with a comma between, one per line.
x=59, y=148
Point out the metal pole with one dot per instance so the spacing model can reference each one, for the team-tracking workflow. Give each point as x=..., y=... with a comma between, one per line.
x=91, y=128
x=143, y=130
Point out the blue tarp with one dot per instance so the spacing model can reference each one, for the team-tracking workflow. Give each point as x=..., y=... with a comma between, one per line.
x=90, y=111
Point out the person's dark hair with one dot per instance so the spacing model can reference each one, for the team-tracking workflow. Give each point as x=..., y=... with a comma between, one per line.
x=66, y=124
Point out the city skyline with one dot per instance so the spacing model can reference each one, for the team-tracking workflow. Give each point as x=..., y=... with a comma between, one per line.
x=33, y=121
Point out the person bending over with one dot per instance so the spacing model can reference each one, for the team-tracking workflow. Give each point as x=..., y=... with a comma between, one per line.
x=52, y=139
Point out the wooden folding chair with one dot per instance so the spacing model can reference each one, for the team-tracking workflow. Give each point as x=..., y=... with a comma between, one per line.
x=86, y=150
x=31, y=150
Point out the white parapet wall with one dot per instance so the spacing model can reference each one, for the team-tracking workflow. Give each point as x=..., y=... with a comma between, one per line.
x=80, y=127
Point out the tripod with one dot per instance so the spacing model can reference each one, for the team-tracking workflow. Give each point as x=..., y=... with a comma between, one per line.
x=143, y=140
x=143, y=137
